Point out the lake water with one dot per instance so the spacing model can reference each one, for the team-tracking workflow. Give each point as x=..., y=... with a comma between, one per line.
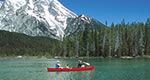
x=105, y=69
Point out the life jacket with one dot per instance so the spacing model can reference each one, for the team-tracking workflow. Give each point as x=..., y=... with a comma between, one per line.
x=57, y=65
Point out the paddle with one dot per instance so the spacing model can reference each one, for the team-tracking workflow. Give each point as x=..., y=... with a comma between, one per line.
x=88, y=64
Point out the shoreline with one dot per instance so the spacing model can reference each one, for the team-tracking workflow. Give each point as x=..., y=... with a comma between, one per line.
x=43, y=57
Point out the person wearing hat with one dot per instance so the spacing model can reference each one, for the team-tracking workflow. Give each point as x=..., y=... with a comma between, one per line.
x=58, y=64
x=82, y=64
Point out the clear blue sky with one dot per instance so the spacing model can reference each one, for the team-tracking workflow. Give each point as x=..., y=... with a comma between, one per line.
x=111, y=10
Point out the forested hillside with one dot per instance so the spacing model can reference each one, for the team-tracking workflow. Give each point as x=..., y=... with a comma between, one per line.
x=116, y=41
x=12, y=44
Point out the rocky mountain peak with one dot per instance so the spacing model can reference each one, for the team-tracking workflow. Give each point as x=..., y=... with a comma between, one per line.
x=41, y=18
x=85, y=18
x=35, y=17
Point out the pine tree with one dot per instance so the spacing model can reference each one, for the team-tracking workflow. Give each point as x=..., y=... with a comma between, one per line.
x=76, y=46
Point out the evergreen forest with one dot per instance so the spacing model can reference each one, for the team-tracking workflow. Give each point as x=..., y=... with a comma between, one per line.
x=131, y=39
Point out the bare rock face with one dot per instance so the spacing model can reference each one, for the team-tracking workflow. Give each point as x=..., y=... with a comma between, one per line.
x=78, y=24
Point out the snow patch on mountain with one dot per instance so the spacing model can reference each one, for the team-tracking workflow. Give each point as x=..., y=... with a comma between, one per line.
x=85, y=18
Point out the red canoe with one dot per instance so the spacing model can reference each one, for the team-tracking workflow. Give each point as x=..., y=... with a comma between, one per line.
x=70, y=69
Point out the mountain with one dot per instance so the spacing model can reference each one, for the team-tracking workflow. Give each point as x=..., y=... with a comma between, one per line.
x=79, y=23
x=40, y=18
x=35, y=17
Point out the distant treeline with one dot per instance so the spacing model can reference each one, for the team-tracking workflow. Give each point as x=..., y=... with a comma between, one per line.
x=115, y=41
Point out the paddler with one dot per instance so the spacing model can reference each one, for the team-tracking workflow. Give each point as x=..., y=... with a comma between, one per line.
x=67, y=66
x=58, y=65
x=82, y=64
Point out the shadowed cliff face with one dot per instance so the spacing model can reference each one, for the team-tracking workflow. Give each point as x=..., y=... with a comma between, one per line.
x=79, y=23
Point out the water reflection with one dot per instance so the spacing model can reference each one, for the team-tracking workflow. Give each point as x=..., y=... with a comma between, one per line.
x=82, y=75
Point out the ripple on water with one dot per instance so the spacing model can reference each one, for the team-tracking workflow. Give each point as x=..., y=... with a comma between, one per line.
x=105, y=69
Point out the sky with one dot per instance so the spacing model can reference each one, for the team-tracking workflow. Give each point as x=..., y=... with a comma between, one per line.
x=111, y=10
